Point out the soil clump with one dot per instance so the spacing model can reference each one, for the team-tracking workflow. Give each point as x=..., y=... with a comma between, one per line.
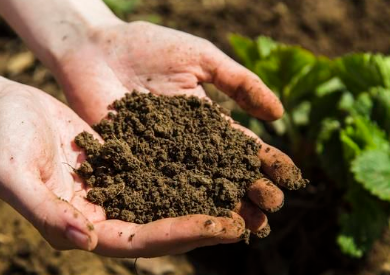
x=167, y=157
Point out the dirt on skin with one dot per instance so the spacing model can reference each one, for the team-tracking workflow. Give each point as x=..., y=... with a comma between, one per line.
x=24, y=252
x=167, y=157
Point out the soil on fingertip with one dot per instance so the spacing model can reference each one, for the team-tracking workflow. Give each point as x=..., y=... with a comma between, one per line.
x=167, y=157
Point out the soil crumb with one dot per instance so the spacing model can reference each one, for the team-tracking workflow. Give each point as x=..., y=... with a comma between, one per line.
x=167, y=157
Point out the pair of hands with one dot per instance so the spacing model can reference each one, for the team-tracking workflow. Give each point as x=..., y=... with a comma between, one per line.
x=37, y=132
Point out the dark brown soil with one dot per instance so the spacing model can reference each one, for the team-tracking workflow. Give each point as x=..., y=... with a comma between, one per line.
x=329, y=27
x=167, y=157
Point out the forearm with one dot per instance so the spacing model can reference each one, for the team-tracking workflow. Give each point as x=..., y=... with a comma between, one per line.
x=51, y=28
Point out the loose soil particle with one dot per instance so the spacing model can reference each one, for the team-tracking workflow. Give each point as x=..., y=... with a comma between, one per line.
x=167, y=157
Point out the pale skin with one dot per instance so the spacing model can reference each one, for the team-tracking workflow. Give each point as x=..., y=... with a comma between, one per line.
x=97, y=58
x=37, y=179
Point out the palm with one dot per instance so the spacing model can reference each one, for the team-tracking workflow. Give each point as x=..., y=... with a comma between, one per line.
x=70, y=187
x=151, y=58
x=144, y=57
x=40, y=143
x=37, y=179
x=171, y=66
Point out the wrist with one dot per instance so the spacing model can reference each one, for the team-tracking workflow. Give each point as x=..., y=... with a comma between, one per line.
x=52, y=29
x=77, y=27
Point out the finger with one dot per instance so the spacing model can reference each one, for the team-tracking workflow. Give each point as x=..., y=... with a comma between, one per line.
x=266, y=195
x=280, y=168
x=242, y=85
x=62, y=225
x=166, y=236
x=255, y=220
x=213, y=241
x=277, y=165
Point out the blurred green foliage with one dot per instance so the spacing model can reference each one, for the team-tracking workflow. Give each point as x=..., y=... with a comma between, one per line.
x=342, y=108
x=121, y=7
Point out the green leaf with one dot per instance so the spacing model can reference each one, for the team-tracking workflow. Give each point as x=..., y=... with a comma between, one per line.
x=256, y=127
x=331, y=86
x=362, y=224
x=350, y=148
x=384, y=67
x=320, y=110
x=329, y=150
x=346, y=103
x=292, y=61
x=121, y=7
x=267, y=70
x=265, y=45
x=372, y=169
x=300, y=114
x=246, y=49
x=309, y=79
x=290, y=71
x=282, y=65
x=349, y=246
x=363, y=105
x=360, y=72
x=279, y=126
x=358, y=105
x=381, y=107
x=371, y=134
x=367, y=134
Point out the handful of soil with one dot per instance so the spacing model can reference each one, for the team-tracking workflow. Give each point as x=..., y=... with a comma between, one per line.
x=167, y=157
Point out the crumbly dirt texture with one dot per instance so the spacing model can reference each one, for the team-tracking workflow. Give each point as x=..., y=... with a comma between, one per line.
x=167, y=157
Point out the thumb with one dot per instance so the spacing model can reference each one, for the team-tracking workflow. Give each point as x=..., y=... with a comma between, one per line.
x=61, y=224
x=245, y=87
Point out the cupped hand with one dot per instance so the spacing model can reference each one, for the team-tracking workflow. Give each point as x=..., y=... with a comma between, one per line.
x=37, y=161
x=141, y=56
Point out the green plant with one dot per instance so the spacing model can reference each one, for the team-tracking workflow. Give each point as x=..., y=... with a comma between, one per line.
x=121, y=7
x=342, y=108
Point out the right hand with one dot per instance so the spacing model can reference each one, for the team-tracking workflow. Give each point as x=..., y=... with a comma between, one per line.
x=117, y=59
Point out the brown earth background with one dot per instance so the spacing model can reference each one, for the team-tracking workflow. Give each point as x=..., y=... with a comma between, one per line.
x=328, y=27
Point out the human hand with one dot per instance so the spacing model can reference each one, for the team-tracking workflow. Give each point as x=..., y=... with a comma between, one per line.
x=141, y=56
x=98, y=58
x=37, y=154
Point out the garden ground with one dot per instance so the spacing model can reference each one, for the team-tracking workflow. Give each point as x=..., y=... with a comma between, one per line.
x=303, y=235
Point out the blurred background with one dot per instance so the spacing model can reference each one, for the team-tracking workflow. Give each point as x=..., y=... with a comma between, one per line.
x=303, y=240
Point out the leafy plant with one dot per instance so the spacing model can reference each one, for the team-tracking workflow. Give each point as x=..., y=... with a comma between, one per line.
x=342, y=108
x=121, y=7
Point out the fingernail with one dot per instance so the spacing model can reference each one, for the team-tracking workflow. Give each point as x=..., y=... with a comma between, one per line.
x=264, y=232
x=80, y=239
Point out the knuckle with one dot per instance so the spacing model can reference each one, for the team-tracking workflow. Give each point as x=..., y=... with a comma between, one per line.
x=141, y=24
x=208, y=44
